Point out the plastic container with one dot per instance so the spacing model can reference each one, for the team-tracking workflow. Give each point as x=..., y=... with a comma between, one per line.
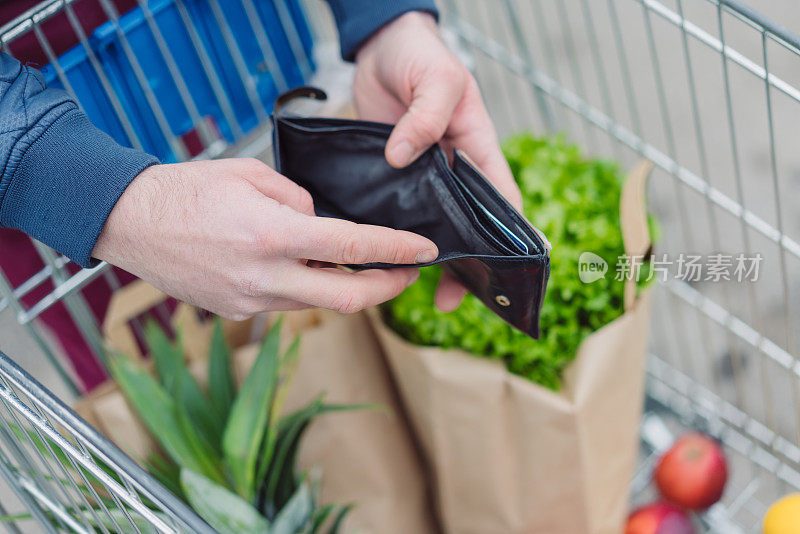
x=122, y=76
x=89, y=91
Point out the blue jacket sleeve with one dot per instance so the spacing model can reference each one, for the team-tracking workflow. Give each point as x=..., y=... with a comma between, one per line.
x=357, y=20
x=59, y=175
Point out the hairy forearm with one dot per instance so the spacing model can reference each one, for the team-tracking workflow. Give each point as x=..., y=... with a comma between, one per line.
x=60, y=176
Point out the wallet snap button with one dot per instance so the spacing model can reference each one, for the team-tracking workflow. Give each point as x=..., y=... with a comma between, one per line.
x=502, y=300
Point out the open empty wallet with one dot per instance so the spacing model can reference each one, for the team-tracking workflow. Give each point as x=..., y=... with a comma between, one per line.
x=483, y=241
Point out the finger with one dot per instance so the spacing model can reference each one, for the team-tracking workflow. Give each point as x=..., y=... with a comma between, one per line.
x=337, y=290
x=472, y=131
x=282, y=304
x=449, y=294
x=255, y=305
x=373, y=102
x=432, y=104
x=276, y=186
x=345, y=242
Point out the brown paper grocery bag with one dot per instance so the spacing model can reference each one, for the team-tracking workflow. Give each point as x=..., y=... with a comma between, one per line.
x=508, y=456
x=365, y=457
x=137, y=298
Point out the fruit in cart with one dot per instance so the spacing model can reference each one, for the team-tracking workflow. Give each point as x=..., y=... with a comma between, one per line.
x=693, y=472
x=783, y=517
x=659, y=518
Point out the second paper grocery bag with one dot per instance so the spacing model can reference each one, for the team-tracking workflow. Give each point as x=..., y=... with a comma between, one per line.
x=509, y=456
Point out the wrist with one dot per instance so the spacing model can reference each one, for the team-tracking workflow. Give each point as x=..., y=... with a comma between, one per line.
x=124, y=227
x=413, y=21
x=67, y=177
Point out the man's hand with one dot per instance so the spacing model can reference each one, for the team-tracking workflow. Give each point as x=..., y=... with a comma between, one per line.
x=406, y=75
x=233, y=236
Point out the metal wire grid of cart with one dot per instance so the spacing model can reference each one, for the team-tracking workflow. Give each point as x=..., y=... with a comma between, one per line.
x=62, y=471
x=706, y=89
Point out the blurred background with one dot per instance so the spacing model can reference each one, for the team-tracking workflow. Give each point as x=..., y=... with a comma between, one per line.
x=706, y=89
x=683, y=83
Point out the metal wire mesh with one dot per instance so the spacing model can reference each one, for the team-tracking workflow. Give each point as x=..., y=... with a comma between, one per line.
x=68, y=476
x=61, y=470
x=707, y=91
x=244, y=138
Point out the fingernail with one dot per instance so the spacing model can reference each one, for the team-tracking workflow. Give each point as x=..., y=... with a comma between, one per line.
x=401, y=154
x=426, y=255
x=413, y=278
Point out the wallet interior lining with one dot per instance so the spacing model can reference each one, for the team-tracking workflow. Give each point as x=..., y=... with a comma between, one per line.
x=480, y=187
x=499, y=237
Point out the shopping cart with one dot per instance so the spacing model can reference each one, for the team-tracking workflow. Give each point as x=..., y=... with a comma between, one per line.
x=180, y=79
x=706, y=89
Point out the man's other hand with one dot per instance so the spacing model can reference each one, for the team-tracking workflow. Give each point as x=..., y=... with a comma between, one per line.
x=237, y=238
x=405, y=75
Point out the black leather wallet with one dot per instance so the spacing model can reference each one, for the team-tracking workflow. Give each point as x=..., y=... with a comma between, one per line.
x=483, y=241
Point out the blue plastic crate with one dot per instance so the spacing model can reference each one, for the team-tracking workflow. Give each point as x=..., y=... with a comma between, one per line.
x=303, y=29
x=223, y=63
x=279, y=37
x=246, y=43
x=89, y=91
x=121, y=74
x=128, y=89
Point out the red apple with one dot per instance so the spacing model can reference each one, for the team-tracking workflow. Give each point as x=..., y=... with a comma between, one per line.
x=659, y=518
x=692, y=473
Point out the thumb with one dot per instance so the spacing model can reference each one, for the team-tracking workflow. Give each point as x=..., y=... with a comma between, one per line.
x=433, y=101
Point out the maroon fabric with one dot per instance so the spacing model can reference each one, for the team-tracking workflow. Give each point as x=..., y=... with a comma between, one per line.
x=57, y=29
x=18, y=257
x=19, y=261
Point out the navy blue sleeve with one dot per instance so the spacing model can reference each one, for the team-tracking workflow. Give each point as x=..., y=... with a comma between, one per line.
x=59, y=175
x=358, y=19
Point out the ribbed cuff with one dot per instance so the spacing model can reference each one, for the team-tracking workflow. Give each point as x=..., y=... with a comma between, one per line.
x=66, y=184
x=357, y=20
